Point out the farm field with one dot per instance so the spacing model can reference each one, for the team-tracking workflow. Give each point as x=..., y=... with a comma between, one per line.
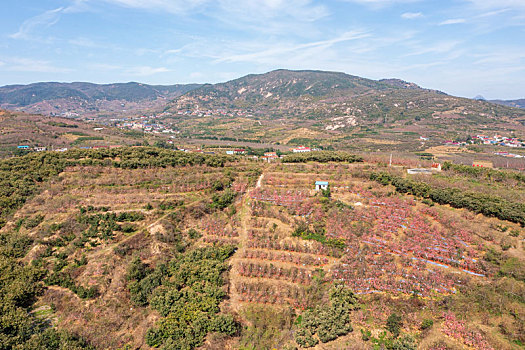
x=144, y=248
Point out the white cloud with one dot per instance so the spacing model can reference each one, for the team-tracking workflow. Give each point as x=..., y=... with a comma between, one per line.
x=442, y=47
x=19, y=64
x=273, y=17
x=246, y=9
x=503, y=56
x=492, y=13
x=172, y=6
x=197, y=75
x=412, y=15
x=83, y=42
x=104, y=67
x=46, y=19
x=517, y=4
x=249, y=10
x=146, y=70
x=453, y=21
x=137, y=71
x=381, y=3
x=279, y=52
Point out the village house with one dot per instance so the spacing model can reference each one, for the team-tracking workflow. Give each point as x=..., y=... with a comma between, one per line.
x=321, y=185
x=436, y=167
x=270, y=156
x=301, y=149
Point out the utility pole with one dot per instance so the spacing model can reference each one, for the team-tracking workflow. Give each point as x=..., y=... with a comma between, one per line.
x=390, y=163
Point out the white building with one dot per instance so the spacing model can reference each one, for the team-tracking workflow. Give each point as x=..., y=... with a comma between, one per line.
x=301, y=149
x=321, y=185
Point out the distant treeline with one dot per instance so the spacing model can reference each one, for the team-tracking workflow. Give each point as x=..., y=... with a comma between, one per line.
x=477, y=202
x=484, y=172
x=322, y=157
x=223, y=138
x=62, y=124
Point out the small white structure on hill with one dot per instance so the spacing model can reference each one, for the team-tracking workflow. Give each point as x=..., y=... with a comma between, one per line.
x=301, y=149
x=321, y=185
x=422, y=171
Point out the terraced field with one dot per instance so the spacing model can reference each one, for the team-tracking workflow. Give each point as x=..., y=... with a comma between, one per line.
x=141, y=248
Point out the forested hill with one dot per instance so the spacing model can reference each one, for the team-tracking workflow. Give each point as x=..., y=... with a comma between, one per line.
x=322, y=95
x=80, y=97
x=321, y=108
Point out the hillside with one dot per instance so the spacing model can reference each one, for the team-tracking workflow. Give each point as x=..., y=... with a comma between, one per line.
x=142, y=248
x=22, y=129
x=335, y=110
x=87, y=99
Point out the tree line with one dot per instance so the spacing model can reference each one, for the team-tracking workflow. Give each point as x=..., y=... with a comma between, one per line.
x=487, y=173
x=322, y=157
x=481, y=203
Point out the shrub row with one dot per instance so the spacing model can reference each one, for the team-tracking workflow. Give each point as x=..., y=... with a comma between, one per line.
x=484, y=172
x=322, y=157
x=477, y=202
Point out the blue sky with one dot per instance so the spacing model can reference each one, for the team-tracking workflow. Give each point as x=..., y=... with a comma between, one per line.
x=463, y=47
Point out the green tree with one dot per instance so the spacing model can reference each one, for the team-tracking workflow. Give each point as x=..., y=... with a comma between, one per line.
x=394, y=324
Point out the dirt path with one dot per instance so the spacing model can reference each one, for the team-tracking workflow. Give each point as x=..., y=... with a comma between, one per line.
x=235, y=277
x=259, y=181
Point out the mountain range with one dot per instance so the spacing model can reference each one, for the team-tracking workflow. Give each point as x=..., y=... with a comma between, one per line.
x=55, y=98
x=333, y=109
x=52, y=98
x=316, y=108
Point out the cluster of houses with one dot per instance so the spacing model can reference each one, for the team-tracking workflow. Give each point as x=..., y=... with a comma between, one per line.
x=500, y=141
x=36, y=149
x=39, y=148
x=61, y=149
x=303, y=149
x=215, y=112
x=236, y=151
x=148, y=124
x=270, y=156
